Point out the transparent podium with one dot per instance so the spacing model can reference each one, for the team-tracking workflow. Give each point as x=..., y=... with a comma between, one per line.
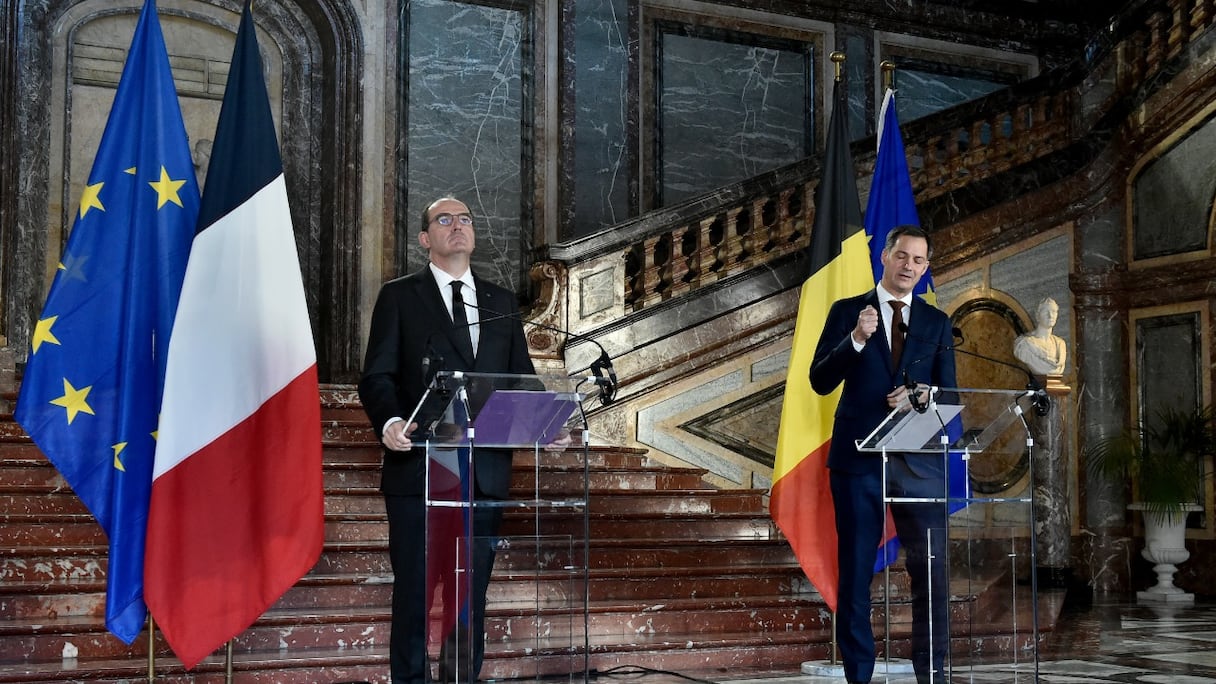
x=971, y=593
x=474, y=426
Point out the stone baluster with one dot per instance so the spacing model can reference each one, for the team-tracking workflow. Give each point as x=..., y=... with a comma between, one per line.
x=723, y=249
x=1201, y=14
x=1002, y=141
x=741, y=225
x=796, y=210
x=635, y=282
x=951, y=151
x=1157, y=43
x=1179, y=30
x=931, y=171
x=682, y=261
x=980, y=155
x=652, y=275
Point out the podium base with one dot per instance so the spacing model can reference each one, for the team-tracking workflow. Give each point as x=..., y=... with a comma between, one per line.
x=826, y=668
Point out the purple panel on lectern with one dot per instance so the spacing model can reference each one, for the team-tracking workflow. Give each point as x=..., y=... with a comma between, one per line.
x=522, y=417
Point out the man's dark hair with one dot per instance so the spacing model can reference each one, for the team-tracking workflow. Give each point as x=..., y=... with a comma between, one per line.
x=426, y=211
x=911, y=231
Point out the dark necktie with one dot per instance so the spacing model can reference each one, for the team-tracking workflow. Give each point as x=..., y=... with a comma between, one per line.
x=461, y=321
x=897, y=335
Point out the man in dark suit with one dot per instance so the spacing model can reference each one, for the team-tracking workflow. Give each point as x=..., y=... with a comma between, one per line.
x=864, y=346
x=414, y=319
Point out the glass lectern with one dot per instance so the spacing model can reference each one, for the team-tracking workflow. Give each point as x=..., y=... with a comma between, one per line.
x=976, y=558
x=482, y=431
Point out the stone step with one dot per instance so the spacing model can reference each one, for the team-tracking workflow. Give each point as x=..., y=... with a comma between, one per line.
x=507, y=626
x=48, y=501
x=743, y=651
x=692, y=623
x=513, y=580
x=74, y=529
x=60, y=564
x=328, y=665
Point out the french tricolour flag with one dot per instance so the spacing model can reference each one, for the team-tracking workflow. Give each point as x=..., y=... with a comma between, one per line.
x=236, y=512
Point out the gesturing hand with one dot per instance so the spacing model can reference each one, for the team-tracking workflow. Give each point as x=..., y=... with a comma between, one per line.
x=867, y=323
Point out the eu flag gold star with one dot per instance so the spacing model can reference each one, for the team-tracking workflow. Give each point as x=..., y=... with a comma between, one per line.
x=91, y=197
x=166, y=189
x=74, y=400
x=42, y=332
x=118, y=450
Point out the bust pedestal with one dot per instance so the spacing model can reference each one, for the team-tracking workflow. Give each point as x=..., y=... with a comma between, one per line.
x=1052, y=498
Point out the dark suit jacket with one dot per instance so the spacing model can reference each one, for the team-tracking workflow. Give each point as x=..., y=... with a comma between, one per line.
x=409, y=316
x=869, y=375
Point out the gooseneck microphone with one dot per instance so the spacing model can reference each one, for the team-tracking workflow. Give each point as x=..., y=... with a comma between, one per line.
x=1038, y=395
x=432, y=361
x=913, y=391
x=601, y=368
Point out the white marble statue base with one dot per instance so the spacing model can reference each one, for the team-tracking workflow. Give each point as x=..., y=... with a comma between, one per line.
x=1164, y=597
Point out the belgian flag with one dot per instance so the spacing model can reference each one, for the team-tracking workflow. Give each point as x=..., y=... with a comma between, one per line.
x=801, y=501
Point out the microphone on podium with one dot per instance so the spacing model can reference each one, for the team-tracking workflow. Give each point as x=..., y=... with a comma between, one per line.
x=601, y=368
x=1038, y=395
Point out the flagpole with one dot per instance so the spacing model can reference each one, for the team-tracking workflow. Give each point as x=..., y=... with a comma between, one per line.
x=151, y=648
x=837, y=58
x=228, y=657
x=888, y=74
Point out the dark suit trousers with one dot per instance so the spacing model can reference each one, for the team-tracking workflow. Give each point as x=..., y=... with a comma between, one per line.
x=407, y=519
x=922, y=533
x=857, y=499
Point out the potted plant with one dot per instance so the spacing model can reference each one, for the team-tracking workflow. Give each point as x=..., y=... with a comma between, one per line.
x=1167, y=460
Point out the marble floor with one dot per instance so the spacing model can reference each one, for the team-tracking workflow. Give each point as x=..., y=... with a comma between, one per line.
x=1103, y=642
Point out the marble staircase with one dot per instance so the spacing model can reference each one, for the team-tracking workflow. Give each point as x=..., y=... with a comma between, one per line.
x=683, y=576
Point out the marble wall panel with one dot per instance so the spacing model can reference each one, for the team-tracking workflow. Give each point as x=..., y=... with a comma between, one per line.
x=728, y=111
x=601, y=71
x=1168, y=367
x=932, y=75
x=923, y=92
x=860, y=78
x=1172, y=197
x=466, y=108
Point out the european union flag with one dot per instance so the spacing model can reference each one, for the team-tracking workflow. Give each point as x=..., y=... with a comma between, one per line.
x=92, y=386
x=892, y=203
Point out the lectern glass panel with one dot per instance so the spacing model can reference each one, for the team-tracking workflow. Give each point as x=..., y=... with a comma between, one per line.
x=526, y=552
x=957, y=478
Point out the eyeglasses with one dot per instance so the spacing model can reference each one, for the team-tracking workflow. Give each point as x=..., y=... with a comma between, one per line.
x=448, y=219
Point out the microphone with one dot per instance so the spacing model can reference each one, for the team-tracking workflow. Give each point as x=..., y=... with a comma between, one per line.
x=600, y=368
x=1038, y=395
x=432, y=361
x=913, y=392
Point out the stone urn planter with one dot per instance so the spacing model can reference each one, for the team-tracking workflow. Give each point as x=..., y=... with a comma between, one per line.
x=1165, y=548
x=1167, y=461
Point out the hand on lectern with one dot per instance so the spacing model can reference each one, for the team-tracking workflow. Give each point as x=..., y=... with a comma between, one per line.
x=896, y=396
x=396, y=438
x=562, y=440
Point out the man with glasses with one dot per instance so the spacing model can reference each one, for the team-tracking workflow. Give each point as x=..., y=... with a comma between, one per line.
x=445, y=311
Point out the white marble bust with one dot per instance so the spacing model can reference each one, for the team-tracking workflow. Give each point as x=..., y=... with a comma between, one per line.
x=1041, y=351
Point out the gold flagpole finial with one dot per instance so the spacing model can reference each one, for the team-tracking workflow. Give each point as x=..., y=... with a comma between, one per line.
x=838, y=62
x=888, y=74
